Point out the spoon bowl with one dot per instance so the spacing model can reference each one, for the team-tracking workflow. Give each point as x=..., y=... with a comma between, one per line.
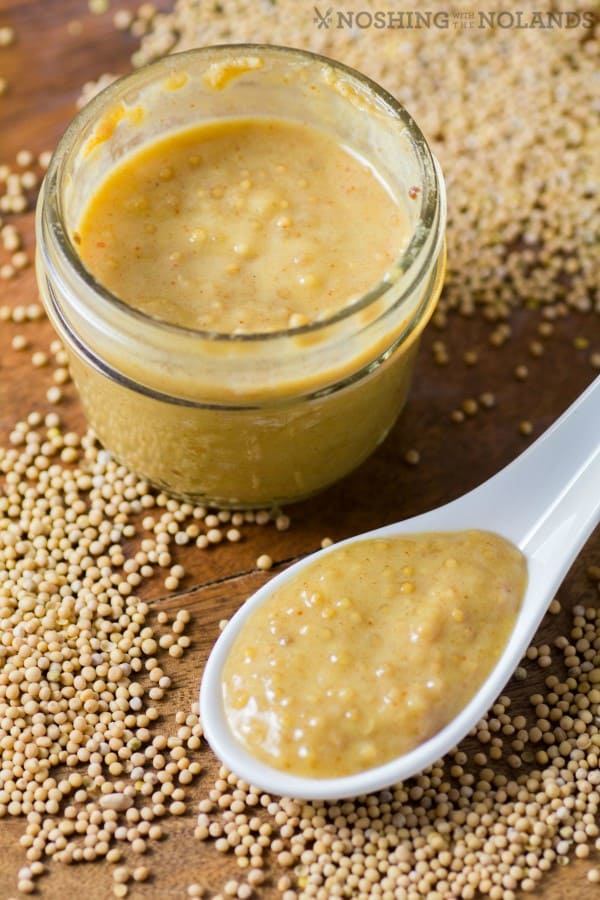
x=546, y=502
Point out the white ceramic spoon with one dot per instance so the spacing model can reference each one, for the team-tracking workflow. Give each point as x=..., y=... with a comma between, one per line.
x=547, y=502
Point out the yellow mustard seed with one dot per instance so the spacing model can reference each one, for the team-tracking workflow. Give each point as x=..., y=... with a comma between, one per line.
x=525, y=427
x=470, y=406
x=7, y=36
x=487, y=399
x=121, y=875
x=54, y=395
x=39, y=359
x=521, y=372
x=19, y=342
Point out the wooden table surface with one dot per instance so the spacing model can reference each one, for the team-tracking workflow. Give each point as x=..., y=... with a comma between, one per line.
x=59, y=45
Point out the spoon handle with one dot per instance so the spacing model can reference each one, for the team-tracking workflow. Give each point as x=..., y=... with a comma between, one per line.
x=548, y=499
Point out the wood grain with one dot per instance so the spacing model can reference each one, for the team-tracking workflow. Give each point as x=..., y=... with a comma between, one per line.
x=59, y=46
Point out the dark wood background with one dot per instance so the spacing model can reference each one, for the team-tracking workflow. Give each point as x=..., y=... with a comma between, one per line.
x=45, y=69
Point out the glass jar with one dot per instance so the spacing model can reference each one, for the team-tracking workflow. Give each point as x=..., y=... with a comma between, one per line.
x=241, y=420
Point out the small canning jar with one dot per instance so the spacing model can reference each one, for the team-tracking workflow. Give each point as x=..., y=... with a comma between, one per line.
x=233, y=419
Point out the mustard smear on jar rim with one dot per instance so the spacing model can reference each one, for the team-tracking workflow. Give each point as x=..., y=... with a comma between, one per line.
x=371, y=650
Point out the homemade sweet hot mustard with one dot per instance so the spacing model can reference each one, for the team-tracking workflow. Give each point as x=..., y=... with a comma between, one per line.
x=239, y=247
x=237, y=226
x=371, y=649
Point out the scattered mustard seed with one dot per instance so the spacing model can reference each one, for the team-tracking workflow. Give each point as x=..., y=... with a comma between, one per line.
x=19, y=260
x=264, y=562
x=44, y=159
x=521, y=372
x=7, y=36
x=487, y=399
x=54, y=395
x=24, y=158
x=581, y=343
x=525, y=427
x=19, y=342
x=122, y=19
x=412, y=457
x=98, y=7
x=121, y=874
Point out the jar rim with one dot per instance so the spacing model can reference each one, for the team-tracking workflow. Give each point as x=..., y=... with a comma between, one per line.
x=432, y=212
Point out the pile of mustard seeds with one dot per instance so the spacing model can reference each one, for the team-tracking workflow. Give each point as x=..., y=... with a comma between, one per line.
x=84, y=662
x=81, y=662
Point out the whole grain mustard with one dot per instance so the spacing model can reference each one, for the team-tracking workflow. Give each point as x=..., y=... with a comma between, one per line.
x=246, y=225
x=371, y=649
